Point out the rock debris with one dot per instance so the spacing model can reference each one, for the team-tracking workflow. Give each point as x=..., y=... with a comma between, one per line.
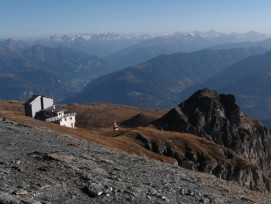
x=38, y=166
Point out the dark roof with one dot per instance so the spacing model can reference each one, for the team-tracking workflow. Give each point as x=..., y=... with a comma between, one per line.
x=52, y=109
x=33, y=97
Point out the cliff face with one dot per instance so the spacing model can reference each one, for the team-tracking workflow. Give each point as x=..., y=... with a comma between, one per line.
x=218, y=118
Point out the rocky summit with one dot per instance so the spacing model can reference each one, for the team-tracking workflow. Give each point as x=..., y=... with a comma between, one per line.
x=218, y=118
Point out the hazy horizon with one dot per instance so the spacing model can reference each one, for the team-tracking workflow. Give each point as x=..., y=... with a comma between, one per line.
x=151, y=34
x=36, y=18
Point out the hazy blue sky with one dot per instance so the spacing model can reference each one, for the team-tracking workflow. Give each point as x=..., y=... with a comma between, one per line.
x=46, y=17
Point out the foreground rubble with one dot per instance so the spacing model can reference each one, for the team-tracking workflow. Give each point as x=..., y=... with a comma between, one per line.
x=39, y=166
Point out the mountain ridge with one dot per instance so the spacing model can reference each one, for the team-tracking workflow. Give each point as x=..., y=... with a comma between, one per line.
x=250, y=83
x=32, y=67
x=182, y=42
x=159, y=82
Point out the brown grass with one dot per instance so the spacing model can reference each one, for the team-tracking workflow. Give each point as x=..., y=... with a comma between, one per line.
x=13, y=111
x=251, y=120
x=202, y=177
x=103, y=115
x=97, y=120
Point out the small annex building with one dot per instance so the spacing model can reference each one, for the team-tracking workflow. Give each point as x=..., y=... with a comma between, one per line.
x=43, y=108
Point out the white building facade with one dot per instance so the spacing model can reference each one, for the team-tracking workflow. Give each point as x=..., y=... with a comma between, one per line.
x=43, y=108
x=63, y=118
x=37, y=103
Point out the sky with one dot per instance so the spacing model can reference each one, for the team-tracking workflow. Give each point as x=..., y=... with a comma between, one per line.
x=30, y=18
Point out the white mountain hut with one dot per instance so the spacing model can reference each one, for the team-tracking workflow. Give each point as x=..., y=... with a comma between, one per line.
x=43, y=108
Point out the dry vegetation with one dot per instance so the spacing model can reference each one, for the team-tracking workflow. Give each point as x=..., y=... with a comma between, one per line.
x=96, y=120
x=103, y=115
x=251, y=120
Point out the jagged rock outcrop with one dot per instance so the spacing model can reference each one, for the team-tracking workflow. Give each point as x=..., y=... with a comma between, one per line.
x=218, y=118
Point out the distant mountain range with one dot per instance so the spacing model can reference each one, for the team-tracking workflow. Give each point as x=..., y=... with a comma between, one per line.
x=263, y=43
x=152, y=77
x=57, y=72
x=23, y=84
x=250, y=81
x=158, y=83
x=100, y=44
x=184, y=42
x=123, y=50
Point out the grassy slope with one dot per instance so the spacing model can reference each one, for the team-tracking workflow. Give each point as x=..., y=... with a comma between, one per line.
x=96, y=126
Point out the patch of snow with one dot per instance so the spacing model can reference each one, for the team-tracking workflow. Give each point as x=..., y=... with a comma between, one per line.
x=221, y=113
x=196, y=110
x=177, y=108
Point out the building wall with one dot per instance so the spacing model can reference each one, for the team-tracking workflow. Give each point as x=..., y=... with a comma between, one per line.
x=60, y=114
x=44, y=106
x=36, y=107
x=47, y=102
x=33, y=107
x=68, y=121
x=28, y=110
x=39, y=103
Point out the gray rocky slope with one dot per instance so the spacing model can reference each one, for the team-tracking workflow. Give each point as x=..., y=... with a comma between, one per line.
x=39, y=166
